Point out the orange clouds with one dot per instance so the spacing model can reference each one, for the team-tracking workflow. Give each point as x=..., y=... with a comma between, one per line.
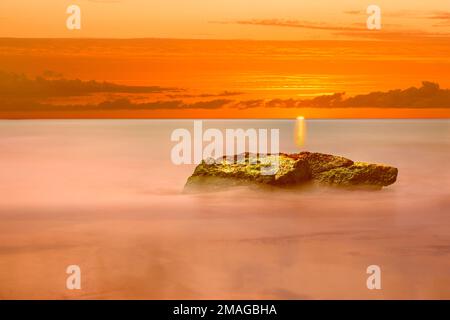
x=355, y=30
x=429, y=95
x=300, y=24
x=21, y=95
x=155, y=78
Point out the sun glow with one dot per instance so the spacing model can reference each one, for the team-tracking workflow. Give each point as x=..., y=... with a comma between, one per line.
x=300, y=131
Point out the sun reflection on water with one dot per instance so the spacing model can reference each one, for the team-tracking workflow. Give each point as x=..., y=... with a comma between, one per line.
x=300, y=131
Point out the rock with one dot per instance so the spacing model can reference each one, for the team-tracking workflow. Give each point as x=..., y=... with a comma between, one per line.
x=294, y=170
x=359, y=174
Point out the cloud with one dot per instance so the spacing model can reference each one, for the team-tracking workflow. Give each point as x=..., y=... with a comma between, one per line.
x=352, y=30
x=429, y=95
x=247, y=104
x=325, y=101
x=45, y=86
x=126, y=104
x=392, y=14
x=21, y=94
x=443, y=18
x=50, y=74
x=354, y=12
x=25, y=105
x=440, y=15
x=298, y=24
x=205, y=95
x=18, y=93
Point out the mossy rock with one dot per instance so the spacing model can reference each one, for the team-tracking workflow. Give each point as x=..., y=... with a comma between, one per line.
x=249, y=168
x=293, y=170
x=359, y=174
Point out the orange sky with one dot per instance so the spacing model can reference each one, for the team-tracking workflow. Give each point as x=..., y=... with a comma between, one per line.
x=219, y=19
x=203, y=70
x=314, y=49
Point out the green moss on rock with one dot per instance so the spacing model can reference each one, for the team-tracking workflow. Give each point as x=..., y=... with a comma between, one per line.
x=293, y=170
x=360, y=173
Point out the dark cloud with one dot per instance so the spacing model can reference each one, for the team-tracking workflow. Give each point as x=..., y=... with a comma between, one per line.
x=18, y=85
x=326, y=101
x=247, y=104
x=213, y=104
x=125, y=104
x=27, y=105
x=21, y=94
x=429, y=95
x=50, y=74
x=205, y=95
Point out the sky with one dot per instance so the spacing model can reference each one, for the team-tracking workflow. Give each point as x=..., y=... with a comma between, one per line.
x=224, y=59
x=220, y=19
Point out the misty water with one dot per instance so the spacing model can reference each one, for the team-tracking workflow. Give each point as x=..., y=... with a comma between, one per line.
x=105, y=195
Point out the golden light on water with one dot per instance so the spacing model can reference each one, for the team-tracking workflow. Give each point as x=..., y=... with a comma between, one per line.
x=300, y=131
